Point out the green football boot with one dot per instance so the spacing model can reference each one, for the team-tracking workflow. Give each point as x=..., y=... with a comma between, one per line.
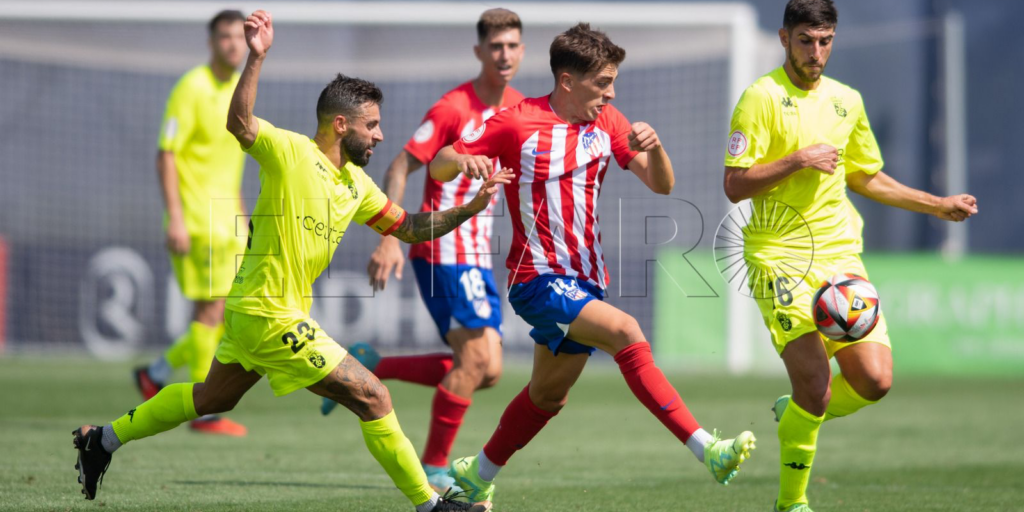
x=466, y=472
x=780, y=407
x=723, y=457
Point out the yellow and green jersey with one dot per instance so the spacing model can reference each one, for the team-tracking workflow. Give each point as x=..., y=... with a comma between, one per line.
x=304, y=208
x=775, y=118
x=207, y=156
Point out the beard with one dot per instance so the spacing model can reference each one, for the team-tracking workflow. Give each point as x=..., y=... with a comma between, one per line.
x=804, y=74
x=355, y=151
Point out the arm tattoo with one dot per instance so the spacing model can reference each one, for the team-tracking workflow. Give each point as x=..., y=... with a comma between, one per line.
x=352, y=385
x=424, y=226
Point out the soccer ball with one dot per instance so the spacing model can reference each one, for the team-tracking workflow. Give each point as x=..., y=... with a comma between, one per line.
x=846, y=308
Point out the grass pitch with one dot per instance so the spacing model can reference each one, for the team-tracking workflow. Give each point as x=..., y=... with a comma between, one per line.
x=932, y=445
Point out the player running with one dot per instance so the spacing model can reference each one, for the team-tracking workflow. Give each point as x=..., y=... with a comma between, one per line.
x=453, y=272
x=311, y=190
x=559, y=147
x=200, y=167
x=799, y=140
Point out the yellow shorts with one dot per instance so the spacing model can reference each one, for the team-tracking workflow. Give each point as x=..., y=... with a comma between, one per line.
x=788, y=312
x=206, y=272
x=293, y=353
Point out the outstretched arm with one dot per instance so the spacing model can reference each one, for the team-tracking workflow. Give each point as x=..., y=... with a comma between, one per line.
x=448, y=164
x=388, y=257
x=420, y=227
x=259, y=35
x=883, y=188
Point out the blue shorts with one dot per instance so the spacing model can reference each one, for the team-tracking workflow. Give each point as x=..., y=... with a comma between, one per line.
x=550, y=303
x=458, y=296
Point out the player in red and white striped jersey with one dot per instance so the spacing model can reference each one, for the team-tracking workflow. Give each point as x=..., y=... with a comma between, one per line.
x=454, y=271
x=560, y=147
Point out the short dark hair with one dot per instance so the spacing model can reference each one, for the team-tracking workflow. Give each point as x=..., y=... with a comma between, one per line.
x=816, y=13
x=583, y=50
x=346, y=95
x=497, y=19
x=225, y=15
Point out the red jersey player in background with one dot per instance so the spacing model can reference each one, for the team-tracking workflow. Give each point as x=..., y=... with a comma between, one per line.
x=453, y=272
x=559, y=147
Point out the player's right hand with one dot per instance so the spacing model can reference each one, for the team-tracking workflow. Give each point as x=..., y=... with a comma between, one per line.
x=177, y=237
x=822, y=157
x=259, y=32
x=475, y=166
x=387, y=257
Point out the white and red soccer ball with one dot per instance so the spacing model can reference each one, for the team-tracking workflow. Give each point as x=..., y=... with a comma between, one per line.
x=846, y=308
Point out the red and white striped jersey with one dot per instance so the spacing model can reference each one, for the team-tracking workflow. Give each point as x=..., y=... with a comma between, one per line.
x=457, y=114
x=559, y=168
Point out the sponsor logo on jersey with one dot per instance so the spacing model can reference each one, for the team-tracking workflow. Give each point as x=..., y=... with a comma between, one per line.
x=424, y=132
x=321, y=230
x=787, y=102
x=535, y=152
x=737, y=143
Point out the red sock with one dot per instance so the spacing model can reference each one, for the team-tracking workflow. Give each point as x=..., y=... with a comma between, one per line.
x=445, y=420
x=427, y=370
x=520, y=422
x=654, y=391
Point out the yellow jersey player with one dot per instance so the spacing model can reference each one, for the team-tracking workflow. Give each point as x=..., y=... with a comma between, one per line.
x=312, y=189
x=200, y=170
x=798, y=141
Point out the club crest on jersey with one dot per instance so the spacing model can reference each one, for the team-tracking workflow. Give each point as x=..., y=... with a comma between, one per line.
x=837, y=102
x=568, y=289
x=590, y=144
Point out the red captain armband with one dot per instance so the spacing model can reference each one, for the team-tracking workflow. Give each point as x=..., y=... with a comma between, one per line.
x=388, y=220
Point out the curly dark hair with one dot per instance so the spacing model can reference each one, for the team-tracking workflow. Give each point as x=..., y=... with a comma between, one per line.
x=346, y=96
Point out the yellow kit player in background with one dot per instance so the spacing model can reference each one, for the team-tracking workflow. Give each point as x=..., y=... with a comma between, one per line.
x=200, y=170
x=798, y=141
x=311, y=190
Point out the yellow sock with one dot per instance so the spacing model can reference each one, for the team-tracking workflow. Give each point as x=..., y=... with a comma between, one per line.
x=845, y=400
x=171, y=407
x=204, y=345
x=177, y=355
x=798, y=439
x=394, y=452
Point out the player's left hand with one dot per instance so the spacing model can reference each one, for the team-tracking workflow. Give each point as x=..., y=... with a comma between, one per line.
x=489, y=188
x=957, y=208
x=643, y=138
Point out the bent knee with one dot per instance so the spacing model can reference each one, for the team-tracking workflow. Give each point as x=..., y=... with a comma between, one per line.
x=491, y=378
x=876, y=387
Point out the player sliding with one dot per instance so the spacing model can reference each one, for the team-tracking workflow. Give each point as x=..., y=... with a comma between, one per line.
x=199, y=161
x=454, y=271
x=311, y=190
x=800, y=139
x=559, y=147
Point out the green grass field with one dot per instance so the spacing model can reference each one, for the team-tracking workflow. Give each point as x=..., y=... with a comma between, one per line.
x=933, y=444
